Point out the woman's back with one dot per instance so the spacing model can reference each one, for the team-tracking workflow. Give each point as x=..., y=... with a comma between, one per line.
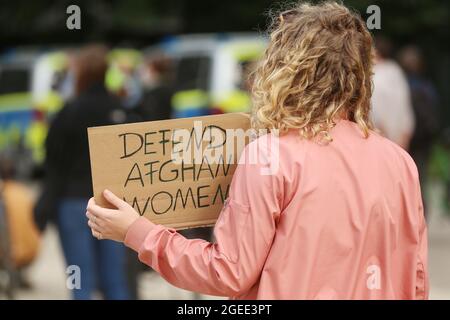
x=351, y=225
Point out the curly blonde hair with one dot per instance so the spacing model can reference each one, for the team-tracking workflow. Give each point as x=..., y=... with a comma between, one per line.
x=317, y=67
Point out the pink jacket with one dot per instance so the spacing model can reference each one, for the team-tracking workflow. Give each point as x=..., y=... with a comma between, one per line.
x=337, y=221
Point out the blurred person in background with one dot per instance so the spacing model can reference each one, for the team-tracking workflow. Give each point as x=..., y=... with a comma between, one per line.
x=156, y=75
x=68, y=178
x=23, y=235
x=122, y=78
x=392, y=112
x=424, y=100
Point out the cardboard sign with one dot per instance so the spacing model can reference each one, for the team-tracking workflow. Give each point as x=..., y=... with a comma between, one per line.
x=173, y=172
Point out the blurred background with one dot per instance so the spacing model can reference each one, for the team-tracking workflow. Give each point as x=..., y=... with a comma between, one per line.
x=147, y=60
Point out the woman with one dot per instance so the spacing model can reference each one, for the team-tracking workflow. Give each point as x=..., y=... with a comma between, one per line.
x=342, y=216
x=69, y=180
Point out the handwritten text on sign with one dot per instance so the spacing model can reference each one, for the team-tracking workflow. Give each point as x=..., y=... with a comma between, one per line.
x=174, y=172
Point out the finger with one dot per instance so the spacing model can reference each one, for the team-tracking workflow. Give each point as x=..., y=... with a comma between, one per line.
x=91, y=201
x=99, y=220
x=90, y=215
x=96, y=234
x=92, y=205
x=99, y=212
x=96, y=222
x=113, y=199
x=94, y=226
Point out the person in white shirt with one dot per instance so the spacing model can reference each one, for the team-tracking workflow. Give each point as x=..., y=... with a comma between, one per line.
x=392, y=111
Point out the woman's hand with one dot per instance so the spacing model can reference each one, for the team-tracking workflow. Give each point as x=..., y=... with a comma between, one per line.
x=110, y=223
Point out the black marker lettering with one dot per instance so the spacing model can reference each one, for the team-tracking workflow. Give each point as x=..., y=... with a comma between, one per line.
x=200, y=197
x=164, y=211
x=185, y=200
x=138, y=177
x=151, y=170
x=126, y=144
x=175, y=176
x=164, y=140
x=148, y=143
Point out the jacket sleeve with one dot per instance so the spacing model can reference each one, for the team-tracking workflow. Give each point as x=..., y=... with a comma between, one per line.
x=244, y=233
x=422, y=279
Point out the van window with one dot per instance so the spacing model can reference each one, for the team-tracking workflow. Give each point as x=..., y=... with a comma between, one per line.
x=14, y=80
x=193, y=73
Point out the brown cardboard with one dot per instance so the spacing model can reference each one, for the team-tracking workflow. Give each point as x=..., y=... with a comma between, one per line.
x=114, y=168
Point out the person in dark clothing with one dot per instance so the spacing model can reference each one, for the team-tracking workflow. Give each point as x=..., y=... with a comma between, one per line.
x=425, y=105
x=156, y=80
x=68, y=181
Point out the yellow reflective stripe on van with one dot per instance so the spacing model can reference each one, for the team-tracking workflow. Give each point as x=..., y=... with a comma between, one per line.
x=190, y=99
x=15, y=101
x=236, y=101
x=247, y=51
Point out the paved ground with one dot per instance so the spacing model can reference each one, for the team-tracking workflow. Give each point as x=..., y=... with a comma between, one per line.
x=49, y=280
x=48, y=277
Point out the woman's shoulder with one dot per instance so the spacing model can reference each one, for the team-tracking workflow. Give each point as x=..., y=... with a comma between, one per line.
x=391, y=151
x=275, y=150
x=273, y=143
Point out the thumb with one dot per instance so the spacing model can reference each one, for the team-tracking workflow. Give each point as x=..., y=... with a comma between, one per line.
x=113, y=199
